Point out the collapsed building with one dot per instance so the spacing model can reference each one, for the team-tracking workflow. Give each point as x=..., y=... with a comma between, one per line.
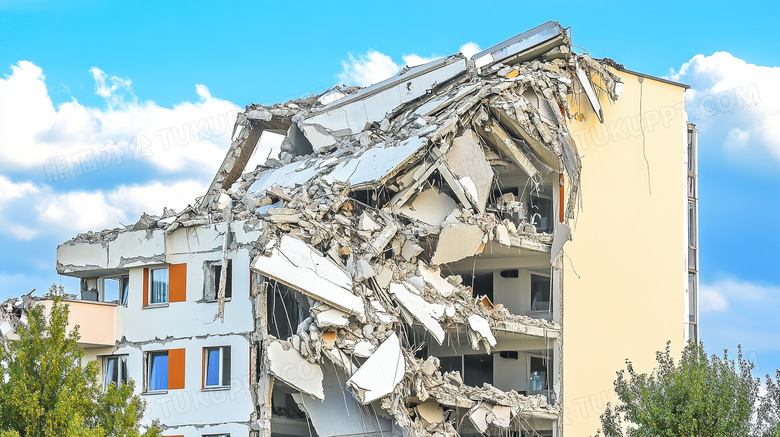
x=397, y=269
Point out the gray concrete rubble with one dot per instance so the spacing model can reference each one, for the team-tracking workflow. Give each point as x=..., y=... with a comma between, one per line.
x=375, y=192
x=13, y=312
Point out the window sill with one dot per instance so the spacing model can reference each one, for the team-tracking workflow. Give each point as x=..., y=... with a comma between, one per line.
x=227, y=299
x=216, y=388
x=156, y=305
x=156, y=392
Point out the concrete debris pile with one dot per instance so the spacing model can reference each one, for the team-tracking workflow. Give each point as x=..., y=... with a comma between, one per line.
x=374, y=193
x=12, y=314
x=146, y=222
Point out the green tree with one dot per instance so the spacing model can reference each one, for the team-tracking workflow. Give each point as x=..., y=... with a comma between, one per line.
x=45, y=391
x=701, y=396
x=768, y=414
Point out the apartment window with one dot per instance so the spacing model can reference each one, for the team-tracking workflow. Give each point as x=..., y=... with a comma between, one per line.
x=164, y=370
x=476, y=369
x=165, y=284
x=481, y=284
x=537, y=375
x=114, y=370
x=216, y=366
x=124, y=289
x=158, y=293
x=540, y=293
x=693, y=332
x=540, y=212
x=115, y=289
x=692, y=297
x=691, y=224
x=284, y=309
x=157, y=374
x=211, y=284
x=89, y=289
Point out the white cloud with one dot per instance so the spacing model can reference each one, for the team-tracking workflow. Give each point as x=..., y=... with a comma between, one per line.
x=711, y=299
x=367, y=69
x=373, y=66
x=10, y=190
x=38, y=210
x=470, y=49
x=153, y=197
x=78, y=210
x=415, y=60
x=719, y=295
x=115, y=92
x=735, y=101
x=188, y=138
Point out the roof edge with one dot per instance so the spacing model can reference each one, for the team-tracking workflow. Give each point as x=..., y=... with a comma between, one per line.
x=650, y=76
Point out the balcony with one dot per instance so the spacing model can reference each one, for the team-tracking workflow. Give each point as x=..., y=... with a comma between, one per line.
x=96, y=321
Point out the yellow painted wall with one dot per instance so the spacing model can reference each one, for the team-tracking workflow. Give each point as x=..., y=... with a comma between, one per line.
x=96, y=321
x=626, y=298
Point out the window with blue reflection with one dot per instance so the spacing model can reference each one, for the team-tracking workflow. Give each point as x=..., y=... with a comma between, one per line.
x=217, y=367
x=158, y=371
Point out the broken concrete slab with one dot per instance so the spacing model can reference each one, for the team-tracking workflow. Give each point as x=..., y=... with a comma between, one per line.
x=432, y=277
x=381, y=372
x=295, y=264
x=431, y=207
x=481, y=326
x=468, y=163
x=457, y=242
x=560, y=235
x=290, y=366
x=376, y=164
x=342, y=416
x=425, y=312
x=431, y=412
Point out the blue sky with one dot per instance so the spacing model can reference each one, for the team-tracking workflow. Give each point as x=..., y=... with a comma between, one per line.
x=135, y=101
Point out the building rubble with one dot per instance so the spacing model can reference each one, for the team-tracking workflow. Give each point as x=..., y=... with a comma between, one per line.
x=374, y=192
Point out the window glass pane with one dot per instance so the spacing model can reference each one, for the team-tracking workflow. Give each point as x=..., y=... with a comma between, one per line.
x=229, y=284
x=226, y=366
x=158, y=371
x=212, y=367
x=111, y=290
x=159, y=291
x=123, y=368
x=450, y=364
x=110, y=369
x=217, y=273
x=538, y=374
x=691, y=225
x=540, y=213
x=540, y=293
x=124, y=288
x=692, y=298
x=477, y=369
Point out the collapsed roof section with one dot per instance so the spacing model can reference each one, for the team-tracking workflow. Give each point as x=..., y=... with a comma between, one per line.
x=509, y=102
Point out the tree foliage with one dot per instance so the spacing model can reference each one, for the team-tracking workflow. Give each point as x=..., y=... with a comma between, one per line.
x=45, y=391
x=768, y=412
x=700, y=396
